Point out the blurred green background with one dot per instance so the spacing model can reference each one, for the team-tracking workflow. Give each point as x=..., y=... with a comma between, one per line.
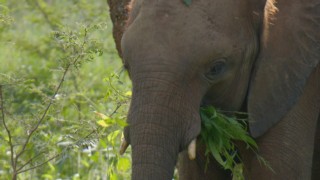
x=79, y=135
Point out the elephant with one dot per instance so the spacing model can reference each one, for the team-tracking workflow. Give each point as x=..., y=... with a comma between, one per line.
x=255, y=56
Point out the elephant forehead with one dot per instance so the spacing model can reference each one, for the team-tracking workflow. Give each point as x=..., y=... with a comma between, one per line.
x=221, y=9
x=207, y=20
x=171, y=31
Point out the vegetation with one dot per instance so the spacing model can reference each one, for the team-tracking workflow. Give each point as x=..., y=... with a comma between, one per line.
x=187, y=2
x=63, y=93
x=219, y=132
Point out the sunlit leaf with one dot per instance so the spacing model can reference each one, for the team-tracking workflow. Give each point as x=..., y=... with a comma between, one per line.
x=112, y=136
x=123, y=164
x=113, y=176
x=102, y=143
x=103, y=123
x=128, y=93
x=47, y=176
x=85, y=163
x=121, y=123
x=52, y=168
x=102, y=116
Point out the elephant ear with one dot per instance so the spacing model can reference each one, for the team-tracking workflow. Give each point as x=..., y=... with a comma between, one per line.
x=289, y=52
x=119, y=10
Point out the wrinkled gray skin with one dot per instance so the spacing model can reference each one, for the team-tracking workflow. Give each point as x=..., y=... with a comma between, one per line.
x=243, y=55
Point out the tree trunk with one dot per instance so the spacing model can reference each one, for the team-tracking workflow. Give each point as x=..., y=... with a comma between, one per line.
x=119, y=15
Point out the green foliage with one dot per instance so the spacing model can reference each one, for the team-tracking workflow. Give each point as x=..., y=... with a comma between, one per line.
x=58, y=67
x=219, y=132
x=187, y=2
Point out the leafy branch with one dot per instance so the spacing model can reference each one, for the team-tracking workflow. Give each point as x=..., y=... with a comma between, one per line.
x=15, y=158
x=44, y=13
x=44, y=114
x=13, y=163
x=39, y=165
x=218, y=132
x=76, y=53
x=43, y=129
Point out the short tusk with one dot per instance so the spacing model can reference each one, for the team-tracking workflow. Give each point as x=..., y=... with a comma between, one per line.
x=123, y=147
x=192, y=149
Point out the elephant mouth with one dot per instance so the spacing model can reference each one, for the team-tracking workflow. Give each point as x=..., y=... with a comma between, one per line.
x=191, y=148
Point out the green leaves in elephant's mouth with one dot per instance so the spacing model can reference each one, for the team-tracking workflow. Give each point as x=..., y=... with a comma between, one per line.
x=219, y=132
x=187, y=2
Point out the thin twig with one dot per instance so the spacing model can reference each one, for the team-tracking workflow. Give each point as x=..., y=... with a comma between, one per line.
x=116, y=109
x=117, y=91
x=34, y=167
x=95, y=130
x=31, y=159
x=50, y=103
x=45, y=15
x=13, y=162
x=87, y=136
x=40, y=120
x=53, y=97
x=12, y=80
x=44, y=113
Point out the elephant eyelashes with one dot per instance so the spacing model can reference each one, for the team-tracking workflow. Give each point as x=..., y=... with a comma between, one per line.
x=217, y=68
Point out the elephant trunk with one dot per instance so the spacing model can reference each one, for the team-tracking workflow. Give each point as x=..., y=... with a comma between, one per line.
x=161, y=123
x=154, y=155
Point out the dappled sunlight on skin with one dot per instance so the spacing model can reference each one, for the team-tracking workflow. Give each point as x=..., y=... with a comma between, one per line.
x=270, y=11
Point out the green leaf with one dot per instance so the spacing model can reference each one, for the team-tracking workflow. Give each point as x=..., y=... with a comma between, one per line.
x=123, y=164
x=4, y=9
x=121, y=123
x=52, y=168
x=113, y=176
x=47, y=176
x=85, y=163
x=112, y=137
x=187, y=2
x=103, y=123
x=103, y=116
x=218, y=132
x=128, y=93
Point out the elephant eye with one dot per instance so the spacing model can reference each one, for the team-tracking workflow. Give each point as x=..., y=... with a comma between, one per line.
x=217, y=68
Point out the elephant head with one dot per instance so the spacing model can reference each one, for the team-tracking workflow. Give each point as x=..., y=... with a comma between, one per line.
x=250, y=55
